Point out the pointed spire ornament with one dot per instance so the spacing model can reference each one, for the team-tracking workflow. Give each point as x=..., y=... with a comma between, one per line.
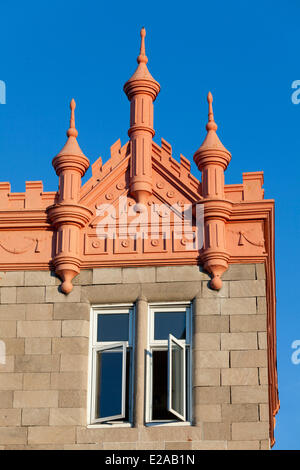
x=212, y=152
x=212, y=141
x=142, y=57
x=71, y=147
x=72, y=131
x=212, y=159
x=68, y=217
x=211, y=125
x=141, y=90
x=142, y=78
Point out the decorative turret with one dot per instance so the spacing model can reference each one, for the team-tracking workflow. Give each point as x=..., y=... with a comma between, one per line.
x=67, y=216
x=70, y=164
x=141, y=90
x=212, y=159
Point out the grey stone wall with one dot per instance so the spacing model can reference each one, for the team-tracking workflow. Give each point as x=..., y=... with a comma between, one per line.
x=43, y=383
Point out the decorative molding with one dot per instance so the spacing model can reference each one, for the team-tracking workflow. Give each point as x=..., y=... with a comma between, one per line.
x=243, y=236
x=17, y=251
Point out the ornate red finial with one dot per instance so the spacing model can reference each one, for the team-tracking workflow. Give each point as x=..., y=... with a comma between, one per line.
x=212, y=148
x=68, y=216
x=212, y=159
x=141, y=90
x=211, y=125
x=142, y=81
x=142, y=57
x=72, y=132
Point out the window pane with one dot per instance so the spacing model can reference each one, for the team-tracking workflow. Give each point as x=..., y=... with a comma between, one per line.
x=160, y=386
x=166, y=323
x=113, y=327
x=177, y=379
x=110, y=377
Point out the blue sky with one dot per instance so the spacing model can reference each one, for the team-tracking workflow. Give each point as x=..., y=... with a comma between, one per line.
x=244, y=52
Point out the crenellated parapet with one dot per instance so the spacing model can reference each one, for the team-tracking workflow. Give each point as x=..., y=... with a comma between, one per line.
x=34, y=197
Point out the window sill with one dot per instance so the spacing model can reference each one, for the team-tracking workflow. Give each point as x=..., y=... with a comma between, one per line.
x=109, y=426
x=168, y=423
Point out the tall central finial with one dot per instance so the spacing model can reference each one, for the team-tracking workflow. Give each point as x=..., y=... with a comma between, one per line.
x=141, y=90
x=142, y=58
x=211, y=125
x=142, y=80
x=72, y=132
x=72, y=107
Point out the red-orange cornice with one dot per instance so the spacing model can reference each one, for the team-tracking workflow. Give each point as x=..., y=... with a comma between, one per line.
x=179, y=182
x=24, y=219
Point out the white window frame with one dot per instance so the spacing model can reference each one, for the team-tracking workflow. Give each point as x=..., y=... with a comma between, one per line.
x=160, y=345
x=181, y=345
x=96, y=346
x=120, y=346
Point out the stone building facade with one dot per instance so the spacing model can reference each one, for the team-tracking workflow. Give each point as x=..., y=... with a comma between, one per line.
x=159, y=341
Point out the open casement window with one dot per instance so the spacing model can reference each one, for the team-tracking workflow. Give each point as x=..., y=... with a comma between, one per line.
x=176, y=378
x=110, y=375
x=111, y=364
x=168, y=390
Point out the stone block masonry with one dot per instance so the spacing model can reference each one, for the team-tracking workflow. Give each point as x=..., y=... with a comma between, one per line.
x=44, y=382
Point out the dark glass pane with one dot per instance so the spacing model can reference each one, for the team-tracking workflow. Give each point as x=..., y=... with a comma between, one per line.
x=109, y=368
x=187, y=384
x=128, y=385
x=166, y=323
x=160, y=386
x=113, y=327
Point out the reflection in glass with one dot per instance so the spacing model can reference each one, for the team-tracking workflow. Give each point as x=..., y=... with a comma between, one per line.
x=110, y=383
x=113, y=327
x=166, y=323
